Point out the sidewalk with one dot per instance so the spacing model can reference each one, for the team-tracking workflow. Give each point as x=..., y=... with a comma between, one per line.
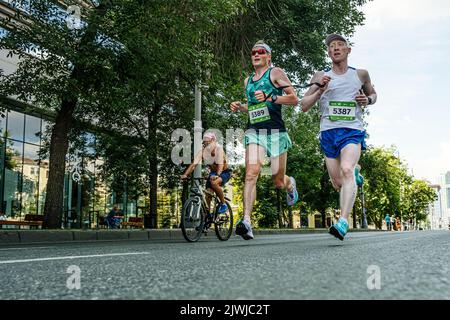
x=14, y=236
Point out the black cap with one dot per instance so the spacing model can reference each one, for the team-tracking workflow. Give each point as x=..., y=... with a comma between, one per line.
x=333, y=37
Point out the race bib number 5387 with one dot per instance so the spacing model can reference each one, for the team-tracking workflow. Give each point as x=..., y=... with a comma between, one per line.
x=342, y=110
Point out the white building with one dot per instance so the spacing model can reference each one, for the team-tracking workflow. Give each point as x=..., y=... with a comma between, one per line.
x=437, y=220
x=445, y=195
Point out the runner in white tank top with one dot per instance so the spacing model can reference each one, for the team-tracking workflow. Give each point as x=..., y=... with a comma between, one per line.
x=346, y=91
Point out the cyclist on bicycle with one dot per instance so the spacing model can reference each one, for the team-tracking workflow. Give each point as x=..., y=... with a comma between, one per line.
x=215, y=158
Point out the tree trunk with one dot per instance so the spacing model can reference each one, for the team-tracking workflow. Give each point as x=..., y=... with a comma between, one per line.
x=280, y=210
x=152, y=118
x=59, y=143
x=291, y=218
x=58, y=150
x=324, y=218
x=154, y=191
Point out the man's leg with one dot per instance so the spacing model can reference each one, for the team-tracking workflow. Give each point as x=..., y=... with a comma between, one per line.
x=334, y=171
x=216, y=185
x=254, y=157
x=349, y=158
x=279, y=177
x=208, y=198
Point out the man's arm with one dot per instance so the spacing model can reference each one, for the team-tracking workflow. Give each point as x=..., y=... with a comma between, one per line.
x=280, y=79
x=368, y=89
x=237, y=105
x=220, y=160
x=314, y=93
x=197, y=160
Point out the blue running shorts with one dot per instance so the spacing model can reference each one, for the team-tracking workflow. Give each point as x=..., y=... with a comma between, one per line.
x=334, y=140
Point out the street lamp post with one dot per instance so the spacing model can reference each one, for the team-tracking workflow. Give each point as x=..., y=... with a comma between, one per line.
x=363, y=209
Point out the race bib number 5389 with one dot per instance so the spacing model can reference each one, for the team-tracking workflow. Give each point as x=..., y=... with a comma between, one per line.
x=258, y=113
x=342, y=110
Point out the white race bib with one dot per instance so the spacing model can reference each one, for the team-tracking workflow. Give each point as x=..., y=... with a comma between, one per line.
x=258, y=113
x=342, y=110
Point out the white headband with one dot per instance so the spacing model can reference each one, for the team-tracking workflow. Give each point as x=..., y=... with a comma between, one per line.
x=265, y=46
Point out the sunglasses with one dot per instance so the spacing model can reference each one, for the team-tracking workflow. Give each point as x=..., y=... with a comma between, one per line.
x=259, y=51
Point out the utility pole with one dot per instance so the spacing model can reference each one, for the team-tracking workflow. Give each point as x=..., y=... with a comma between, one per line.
x=198, y=130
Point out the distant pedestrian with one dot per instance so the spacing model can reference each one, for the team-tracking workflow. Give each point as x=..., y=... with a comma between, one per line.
x=114, y=217
x=393, y=224
x=399, y=224
x=388, y=222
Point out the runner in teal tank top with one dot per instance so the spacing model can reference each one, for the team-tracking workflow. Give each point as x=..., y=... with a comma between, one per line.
x=272, y=120
x=266, y=133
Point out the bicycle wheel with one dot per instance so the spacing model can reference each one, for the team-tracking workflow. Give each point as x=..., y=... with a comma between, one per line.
x=192, y=219
x=223, y=223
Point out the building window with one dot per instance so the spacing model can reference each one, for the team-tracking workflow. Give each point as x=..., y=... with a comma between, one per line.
x=447, y=178
x=16, y=122
x=32, y=130
x=448, y=198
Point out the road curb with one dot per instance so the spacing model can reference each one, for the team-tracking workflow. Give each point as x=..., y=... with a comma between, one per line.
x=12, y=237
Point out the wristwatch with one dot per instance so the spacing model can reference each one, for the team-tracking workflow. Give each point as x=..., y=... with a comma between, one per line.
x=274, y=98
x=370, y=100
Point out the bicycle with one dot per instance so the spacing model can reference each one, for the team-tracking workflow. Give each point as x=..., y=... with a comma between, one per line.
x=196, y=218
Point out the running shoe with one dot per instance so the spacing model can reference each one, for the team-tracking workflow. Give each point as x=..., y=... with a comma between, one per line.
x=292, y=197
x=359, y=178
x=244, y=229
x=223, y=207
x=340, y=229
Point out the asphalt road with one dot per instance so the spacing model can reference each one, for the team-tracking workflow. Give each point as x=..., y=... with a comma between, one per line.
x=387, y=265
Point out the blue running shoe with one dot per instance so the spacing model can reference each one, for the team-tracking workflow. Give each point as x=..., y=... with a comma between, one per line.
x=340, y=229
x=244, y=229
x=222, y=208
x=292, y=197
x=359, y=178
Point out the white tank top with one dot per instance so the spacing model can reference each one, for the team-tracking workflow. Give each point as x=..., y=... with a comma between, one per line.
x=338, y=106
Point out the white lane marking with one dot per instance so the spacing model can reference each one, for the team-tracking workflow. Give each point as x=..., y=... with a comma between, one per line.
x=29, y=248
x=75, y=257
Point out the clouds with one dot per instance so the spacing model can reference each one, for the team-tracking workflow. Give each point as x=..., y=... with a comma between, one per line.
x=405, y=11
x=431, y=165
x=404, y=45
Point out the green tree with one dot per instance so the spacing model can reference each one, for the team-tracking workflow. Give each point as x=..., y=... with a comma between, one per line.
x=417, y=196
x=157, y=92
x=63, y=69
x=384, y=174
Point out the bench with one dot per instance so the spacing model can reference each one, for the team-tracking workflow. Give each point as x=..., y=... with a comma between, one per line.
x=31, y=220
x=133, y=222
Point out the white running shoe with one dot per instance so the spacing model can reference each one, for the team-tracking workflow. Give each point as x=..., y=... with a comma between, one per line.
x=244, y=229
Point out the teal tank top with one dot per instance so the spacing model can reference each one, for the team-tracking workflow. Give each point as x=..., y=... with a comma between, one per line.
x=260, y=119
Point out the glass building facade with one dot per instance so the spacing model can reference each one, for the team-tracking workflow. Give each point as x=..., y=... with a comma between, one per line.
x=24, y=170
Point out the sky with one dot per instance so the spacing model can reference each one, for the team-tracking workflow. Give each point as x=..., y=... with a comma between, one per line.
x=405, y=46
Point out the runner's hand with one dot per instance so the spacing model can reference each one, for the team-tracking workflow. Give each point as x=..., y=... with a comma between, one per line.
x=236, y=106
x=325, y=81
x=362, y=99
x=260, y=96
x=212, y=178
x=183, y=177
